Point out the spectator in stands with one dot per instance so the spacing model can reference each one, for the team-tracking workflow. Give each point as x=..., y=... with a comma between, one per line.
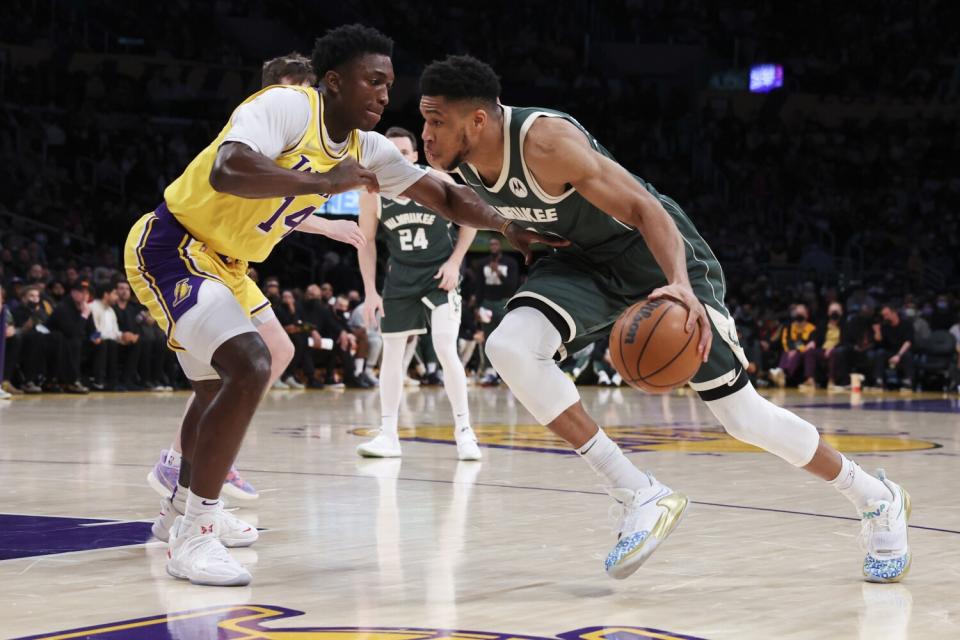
x=129, y=349
x=830, y=350
x=860, y=345
x=288, y=314
x=893, y=337
x=40, y=356
x=105, y=340
x=499, y=278
x=942, y=317
x=6, y=332
x=795, y=339
x=72, y=318
x=369, y=346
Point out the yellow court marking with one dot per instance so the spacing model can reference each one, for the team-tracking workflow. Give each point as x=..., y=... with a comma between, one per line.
x=648, y=438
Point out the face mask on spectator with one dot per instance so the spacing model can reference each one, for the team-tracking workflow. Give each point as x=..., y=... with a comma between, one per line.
x=942, y=305
x=799, y=317
x=910, y=312
x=835, y=315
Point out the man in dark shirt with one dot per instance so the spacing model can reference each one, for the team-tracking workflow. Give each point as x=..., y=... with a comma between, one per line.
x=499, y=277
x=128, y=313
x=40, y=359
x=72, y=319
x=894, y=337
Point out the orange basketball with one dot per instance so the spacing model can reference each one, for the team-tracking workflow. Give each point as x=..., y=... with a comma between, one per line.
x=651, y=349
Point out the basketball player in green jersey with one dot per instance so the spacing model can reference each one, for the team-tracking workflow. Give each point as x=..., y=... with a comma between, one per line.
x=542, y=169
x=421, y=288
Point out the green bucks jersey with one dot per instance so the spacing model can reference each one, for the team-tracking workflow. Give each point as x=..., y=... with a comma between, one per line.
x=414, y=234
x=595, y=237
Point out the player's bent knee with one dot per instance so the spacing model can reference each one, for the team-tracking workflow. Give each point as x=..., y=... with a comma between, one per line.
x=503, y=349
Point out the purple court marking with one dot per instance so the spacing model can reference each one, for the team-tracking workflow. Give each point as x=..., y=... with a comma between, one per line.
x=25, y=536
x=245, y=621
x=929, y=405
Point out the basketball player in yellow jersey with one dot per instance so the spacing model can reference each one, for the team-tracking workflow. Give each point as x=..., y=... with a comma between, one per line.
x=284, y=151
x=291, y=69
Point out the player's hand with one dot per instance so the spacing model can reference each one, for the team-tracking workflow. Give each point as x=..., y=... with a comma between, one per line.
x=349, y=175
x=696, y=313
x=894, y=360
x=371, y=306
x=449, y=275
x=345, y=231
x=521, y=239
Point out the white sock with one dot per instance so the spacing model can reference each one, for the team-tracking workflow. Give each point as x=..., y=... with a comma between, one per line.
x=431, y=367
x=173, y=457
x=391, y=382
x=858, y=486
x=200, y=510
x=358, y=365
x=179, y=498
x=607, y=460
x=445, y=327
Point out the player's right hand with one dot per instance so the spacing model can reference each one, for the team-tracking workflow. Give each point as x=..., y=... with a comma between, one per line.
x=349, y=175
x=371, y=306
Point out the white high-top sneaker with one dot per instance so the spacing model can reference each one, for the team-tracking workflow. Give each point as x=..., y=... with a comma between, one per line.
x=384, y=445
x=467, y=447
x=883, y=535
x=233, y=531
x=196, y=554
x=648, y=517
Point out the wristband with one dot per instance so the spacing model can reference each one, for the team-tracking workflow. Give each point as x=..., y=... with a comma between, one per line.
x=503, y=227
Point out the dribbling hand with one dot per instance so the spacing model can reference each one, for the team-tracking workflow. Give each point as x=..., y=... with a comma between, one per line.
x=696, y=314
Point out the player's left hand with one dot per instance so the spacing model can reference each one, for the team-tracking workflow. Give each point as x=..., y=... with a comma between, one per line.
x=521, y=239
x=345, y=231
x=449, y=275
x=696, y=314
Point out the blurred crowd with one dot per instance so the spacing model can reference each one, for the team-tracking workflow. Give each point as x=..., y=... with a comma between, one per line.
x=103, y=104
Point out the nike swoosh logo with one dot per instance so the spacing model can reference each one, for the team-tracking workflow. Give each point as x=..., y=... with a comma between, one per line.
x=585, y=451
x=208, y=504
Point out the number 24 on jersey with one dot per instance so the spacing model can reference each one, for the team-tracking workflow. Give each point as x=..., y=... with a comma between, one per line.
x=410, y=241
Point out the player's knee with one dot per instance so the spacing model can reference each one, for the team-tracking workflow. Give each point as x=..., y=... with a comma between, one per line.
x=252, y=370
x=504, y=350
x=282, y=354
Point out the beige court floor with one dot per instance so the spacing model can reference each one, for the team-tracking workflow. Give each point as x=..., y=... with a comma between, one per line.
x=428, y=547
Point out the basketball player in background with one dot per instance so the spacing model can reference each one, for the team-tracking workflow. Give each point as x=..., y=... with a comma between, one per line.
x=291, y=69
x=284, y=150
x=421, y=288
x=627, y=241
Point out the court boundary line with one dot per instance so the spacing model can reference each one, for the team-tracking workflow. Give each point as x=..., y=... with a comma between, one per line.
x=483, y=484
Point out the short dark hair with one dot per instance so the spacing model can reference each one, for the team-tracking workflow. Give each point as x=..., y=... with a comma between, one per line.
x=346, y=43
x=104, y=288
x=294, y=64
x=400, y=132
x=460, y=78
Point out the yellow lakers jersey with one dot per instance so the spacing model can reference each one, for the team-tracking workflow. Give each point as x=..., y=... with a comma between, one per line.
x=248, y=228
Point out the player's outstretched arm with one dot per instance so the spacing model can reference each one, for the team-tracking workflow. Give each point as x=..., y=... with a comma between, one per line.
x=345, y=231
x=461, y=205
x=558, y=153
x=367, y=257
x=243, y=172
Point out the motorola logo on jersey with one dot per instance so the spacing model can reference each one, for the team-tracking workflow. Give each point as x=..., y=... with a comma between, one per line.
x=518, y=188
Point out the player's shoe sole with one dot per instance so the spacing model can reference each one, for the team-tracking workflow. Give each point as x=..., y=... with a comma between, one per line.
x=633, y=550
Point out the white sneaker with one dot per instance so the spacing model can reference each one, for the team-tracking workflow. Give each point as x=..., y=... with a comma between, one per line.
x=410, y=382
x=280, y=385
x=778, y=377
x=467, y=447
x=883, y=535
x=648, y=516
x=383, y=446
x=293, y=383
x=196, y=554
x=233, y=531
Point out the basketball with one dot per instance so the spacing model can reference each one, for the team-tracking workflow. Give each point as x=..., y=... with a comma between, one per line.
x=650, y=348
